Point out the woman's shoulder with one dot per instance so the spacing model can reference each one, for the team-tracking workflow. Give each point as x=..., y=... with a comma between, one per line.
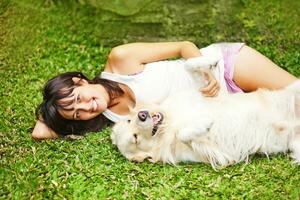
x=108, y=68
x=115, y=68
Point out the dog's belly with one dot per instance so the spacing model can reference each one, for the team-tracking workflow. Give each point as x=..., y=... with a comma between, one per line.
x=241, y=124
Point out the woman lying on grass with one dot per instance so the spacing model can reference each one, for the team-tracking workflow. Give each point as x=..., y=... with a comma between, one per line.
x=73, y=104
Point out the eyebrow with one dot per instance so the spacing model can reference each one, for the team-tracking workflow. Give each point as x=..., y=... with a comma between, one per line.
x=65, y=102
x=68, y=103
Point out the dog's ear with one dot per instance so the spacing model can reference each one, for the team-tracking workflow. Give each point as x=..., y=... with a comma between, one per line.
x=139, y=105
x=113, y=137
x=116, y=131
x=131, y=108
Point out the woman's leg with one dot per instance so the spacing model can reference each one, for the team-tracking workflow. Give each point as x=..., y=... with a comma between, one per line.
x=252, y=70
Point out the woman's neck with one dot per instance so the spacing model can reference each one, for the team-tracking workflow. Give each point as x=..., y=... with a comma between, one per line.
x=122, y=104
x=128, y=94
x=103, y=91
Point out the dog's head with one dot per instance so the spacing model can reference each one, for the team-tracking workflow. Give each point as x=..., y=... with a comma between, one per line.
x=137, y=138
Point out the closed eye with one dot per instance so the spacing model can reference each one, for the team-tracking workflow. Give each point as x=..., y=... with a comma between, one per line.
x=76, y=115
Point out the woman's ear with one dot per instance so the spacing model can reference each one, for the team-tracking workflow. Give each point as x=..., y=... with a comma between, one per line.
x=79, y=81
x=140, y=105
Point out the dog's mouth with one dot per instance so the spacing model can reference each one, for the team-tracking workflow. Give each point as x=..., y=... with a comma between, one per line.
x=157, y=119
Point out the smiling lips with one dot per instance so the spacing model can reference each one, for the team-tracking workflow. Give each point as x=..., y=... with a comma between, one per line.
x=157, y=120
x=94, y=105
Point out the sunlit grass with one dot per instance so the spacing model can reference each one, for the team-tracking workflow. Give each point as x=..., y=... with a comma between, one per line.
x=39, y=39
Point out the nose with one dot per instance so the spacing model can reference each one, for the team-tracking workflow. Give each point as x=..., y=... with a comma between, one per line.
x=142, y=115
x=83, y=106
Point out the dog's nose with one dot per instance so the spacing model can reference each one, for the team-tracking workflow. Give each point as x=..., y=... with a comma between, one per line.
x=143, y=115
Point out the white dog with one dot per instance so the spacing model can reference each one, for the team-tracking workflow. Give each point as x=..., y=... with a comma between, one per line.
x=221, y=131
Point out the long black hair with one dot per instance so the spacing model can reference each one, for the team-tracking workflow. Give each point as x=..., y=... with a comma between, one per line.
x=61, y=86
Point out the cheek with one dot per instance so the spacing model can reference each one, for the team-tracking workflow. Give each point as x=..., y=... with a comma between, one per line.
x=87, y=93
x=145, y=144
x=102, y=108
x=87, y=116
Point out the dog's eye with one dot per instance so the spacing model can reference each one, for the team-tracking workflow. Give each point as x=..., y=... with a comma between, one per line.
x=128, y=120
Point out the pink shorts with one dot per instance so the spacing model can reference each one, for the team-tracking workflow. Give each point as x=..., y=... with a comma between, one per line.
x=230, y=51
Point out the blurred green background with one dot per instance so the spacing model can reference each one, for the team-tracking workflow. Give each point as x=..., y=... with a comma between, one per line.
x=41, y=38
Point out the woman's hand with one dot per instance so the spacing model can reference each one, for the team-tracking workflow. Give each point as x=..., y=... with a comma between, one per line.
x=213, y=87
x=204, y=64
x=42, y=131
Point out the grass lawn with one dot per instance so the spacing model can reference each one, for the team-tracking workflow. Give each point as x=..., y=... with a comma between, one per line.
x=41, y=38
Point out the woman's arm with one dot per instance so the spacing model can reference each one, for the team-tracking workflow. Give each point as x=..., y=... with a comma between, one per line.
x=129, y=58
x=41, y=131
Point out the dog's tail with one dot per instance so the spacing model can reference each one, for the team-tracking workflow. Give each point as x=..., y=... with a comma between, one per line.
x=295, y=86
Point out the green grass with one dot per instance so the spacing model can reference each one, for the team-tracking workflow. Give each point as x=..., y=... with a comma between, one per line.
x=39, y=39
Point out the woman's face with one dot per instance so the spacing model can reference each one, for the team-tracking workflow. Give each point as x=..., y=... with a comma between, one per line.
x=87, y=101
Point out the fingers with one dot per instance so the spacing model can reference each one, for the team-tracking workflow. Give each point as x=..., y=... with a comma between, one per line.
x=212, y=92
x=213, y=86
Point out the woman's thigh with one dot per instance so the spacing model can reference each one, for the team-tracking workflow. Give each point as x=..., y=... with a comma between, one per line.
x=253, y=70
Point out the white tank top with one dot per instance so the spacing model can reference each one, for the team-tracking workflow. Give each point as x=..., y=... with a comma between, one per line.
x=160, y=79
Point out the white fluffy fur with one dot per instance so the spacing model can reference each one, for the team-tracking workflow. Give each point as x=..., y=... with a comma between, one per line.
x=221, y=131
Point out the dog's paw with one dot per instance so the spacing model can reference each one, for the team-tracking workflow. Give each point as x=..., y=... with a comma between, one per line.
x=138, y=158
x=201, y=62
x=189, y=134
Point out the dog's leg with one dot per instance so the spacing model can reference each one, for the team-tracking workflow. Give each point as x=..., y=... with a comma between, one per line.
x=283, y=127
x=295, y=86
x=204, y=62
x=199, y=77
x=198, y=67
x=191, y=133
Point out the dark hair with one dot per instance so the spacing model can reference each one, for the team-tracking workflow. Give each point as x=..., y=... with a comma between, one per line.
x=62, y=86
